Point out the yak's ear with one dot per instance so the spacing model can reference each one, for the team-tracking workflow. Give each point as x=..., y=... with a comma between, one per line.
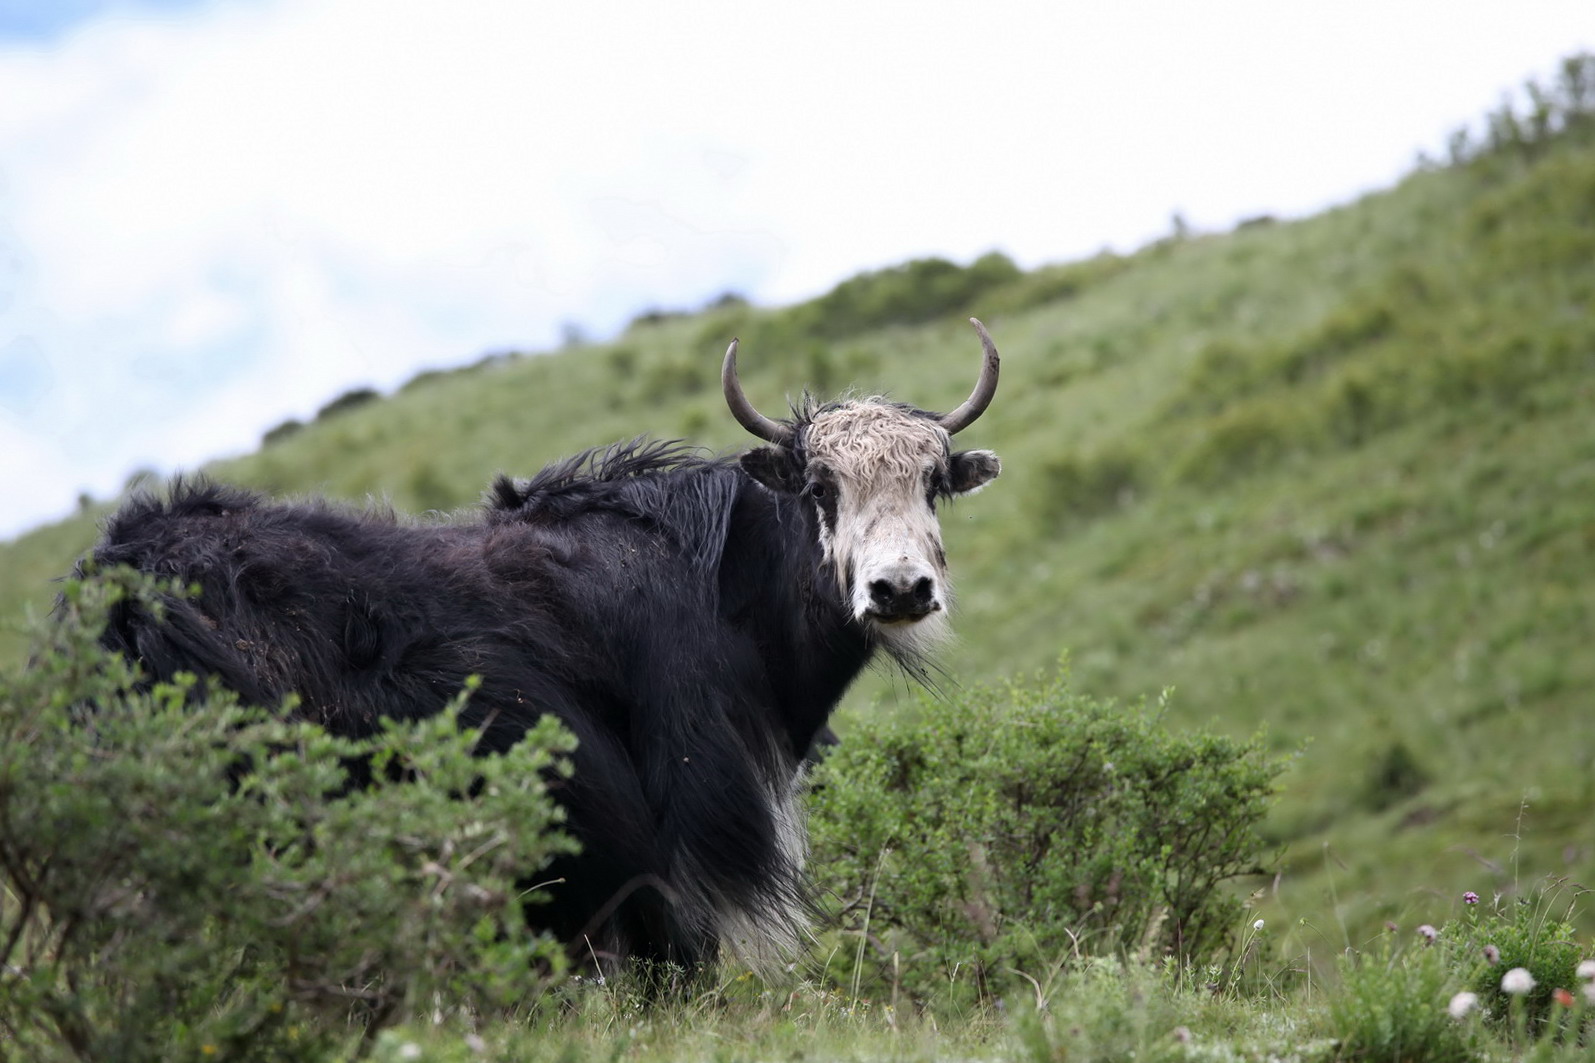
x=973, y=469
x=774, y=467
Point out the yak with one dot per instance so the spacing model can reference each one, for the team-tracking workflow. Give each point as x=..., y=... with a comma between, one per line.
x=692, y=619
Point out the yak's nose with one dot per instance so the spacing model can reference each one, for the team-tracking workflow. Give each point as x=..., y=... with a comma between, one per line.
x=902, y=596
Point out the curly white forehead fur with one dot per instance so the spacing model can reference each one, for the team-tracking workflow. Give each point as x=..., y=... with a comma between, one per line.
x=872, y=440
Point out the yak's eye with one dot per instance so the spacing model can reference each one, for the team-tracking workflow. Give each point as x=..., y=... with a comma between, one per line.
x=817, y=491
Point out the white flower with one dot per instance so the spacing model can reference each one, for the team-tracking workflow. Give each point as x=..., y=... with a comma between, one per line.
x=1461, y=1004
x=1257, y=925
x=1587, y=970
x=410, y=1050
x=1517, y=981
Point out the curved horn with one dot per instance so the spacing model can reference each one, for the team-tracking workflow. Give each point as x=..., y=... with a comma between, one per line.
x=742, y=409
x=985, y=387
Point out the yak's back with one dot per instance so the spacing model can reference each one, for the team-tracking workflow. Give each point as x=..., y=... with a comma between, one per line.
x=356, y=613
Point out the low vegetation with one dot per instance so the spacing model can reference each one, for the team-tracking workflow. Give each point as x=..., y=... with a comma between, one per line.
x=180, y=884
x=187, y=884
x=990, y=843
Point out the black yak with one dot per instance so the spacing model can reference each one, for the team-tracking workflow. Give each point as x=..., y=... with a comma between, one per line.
x=693, y=620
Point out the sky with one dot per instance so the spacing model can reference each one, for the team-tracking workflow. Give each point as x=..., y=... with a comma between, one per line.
x=219, y=214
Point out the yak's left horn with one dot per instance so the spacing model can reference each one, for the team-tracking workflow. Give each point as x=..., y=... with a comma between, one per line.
x=748, y=417
x=985, y=387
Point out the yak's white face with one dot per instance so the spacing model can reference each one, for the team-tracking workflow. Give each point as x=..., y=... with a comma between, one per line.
x=874, y=471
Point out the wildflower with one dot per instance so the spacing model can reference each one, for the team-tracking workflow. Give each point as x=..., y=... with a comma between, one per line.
x=1470, y=897
x=1391, y=927
x=409, y=1050
x=1461, y=1004
x=1492, y=955
x=1562, y=997
x=1257, y=925
x=1517, y=981
x=1182, y=1034
x=1586, y=970
x=1428, y=933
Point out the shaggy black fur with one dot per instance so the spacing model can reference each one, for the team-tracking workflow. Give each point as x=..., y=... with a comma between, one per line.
x=671, y=611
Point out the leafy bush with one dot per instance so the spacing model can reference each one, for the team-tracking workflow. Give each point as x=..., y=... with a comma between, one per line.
x=1241, y=440
x=426, y=378
x=1082, y=486
x=431, y=490
x=917, y=291
x=1012, y=830
x=1109, y=1010
x=180, y=883
x=1494, y=936
x=1054, y=283
x=1425, y=1001
x=676, y=376
x=1391, y=1007
x=349, y=400
x=1393, y=774
x=278, y=433
x=1566, y=106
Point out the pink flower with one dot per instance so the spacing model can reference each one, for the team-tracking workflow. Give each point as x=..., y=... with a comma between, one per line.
x=1428, y=933
x=1470, y=897
x=1562, y=997
x=1492, y=955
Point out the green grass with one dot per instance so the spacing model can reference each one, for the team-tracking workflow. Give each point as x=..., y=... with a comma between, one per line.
x=1333, y=478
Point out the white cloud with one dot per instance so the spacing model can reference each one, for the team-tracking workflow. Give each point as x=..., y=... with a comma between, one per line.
x=212, y=222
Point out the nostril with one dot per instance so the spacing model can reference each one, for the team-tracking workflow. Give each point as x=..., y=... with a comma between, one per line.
x=880, y=591
x=923, y=590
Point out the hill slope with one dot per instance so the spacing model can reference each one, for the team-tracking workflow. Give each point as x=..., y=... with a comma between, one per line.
x=1335, y=478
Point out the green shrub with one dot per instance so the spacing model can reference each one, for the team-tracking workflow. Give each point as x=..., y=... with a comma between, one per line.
x=1241, y=440
x=1011, y=830
x=1081, y=486
x=278, y=433
x=427, y=378
x=349, y=400
x=917, y=291
x=1391, y=1007
x=1054, y=283
x=1535, y=932
x=1393, y=774
x=431, y=490
x=677, y=376
x=622, y=362
x=179, y=883
x=1108, y=1010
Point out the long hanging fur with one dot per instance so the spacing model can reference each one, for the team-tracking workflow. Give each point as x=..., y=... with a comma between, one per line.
x=679, y=613
x=632, y=592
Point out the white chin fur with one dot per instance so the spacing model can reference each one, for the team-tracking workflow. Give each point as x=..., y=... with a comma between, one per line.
x=915, y=640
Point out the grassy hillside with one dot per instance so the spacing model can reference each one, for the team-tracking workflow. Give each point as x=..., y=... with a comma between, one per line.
x=1334, y=478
